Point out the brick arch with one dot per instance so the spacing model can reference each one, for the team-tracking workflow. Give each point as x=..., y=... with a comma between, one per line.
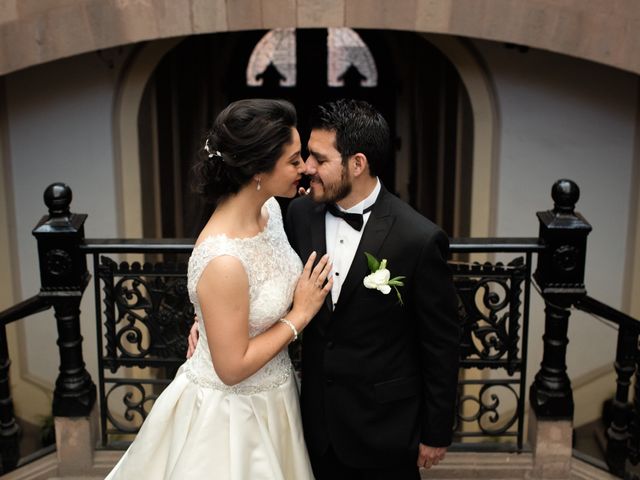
x=37, y=31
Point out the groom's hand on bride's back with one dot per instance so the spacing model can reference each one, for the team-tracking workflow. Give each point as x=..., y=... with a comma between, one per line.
x=193, y=337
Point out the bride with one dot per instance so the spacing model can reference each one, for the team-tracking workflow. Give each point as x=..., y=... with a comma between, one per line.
x=232, y=411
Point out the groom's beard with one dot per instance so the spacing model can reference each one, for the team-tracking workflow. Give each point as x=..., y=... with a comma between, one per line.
x=335, y=192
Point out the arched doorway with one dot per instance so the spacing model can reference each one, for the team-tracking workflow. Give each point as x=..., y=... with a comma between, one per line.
x=416, y=87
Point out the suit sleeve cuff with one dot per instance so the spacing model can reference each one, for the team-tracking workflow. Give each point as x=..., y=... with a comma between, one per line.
x=434, y=439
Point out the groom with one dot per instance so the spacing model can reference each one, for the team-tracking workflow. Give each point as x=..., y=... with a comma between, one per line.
x=379, y=365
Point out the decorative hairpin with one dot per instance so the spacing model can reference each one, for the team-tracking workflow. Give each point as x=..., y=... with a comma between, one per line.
x=212, y=153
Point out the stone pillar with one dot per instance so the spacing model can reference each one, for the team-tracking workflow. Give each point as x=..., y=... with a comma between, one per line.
x=560, y=276
x=64, y=277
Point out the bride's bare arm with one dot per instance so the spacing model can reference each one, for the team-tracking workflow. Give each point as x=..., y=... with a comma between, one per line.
x=223, y=293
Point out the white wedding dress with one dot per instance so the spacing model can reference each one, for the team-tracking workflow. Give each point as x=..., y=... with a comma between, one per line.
x=200, y=428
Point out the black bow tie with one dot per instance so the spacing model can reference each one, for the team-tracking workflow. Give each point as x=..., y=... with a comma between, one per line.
x=355, y=220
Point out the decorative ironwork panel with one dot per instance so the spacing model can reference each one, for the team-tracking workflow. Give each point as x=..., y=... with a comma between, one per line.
x=144, y=315
x=490, y=302
x=493, y=316
x=147, y=311
x=145, y=321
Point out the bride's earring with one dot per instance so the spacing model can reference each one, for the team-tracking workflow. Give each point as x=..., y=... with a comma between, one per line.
x=258, y=187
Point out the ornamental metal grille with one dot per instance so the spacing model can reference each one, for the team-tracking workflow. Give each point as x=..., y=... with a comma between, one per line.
x=144, y=315
x=493, y=307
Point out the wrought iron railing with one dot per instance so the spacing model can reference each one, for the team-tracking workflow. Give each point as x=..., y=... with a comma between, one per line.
x=494, y=310
x=144, y=314
x=9, y=428
x=623, y=432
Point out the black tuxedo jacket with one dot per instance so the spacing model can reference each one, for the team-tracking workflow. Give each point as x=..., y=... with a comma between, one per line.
x=378, y=377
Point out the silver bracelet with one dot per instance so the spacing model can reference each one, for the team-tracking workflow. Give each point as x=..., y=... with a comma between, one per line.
x=292, y=327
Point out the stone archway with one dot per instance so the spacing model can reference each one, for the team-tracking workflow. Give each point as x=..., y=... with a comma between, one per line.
x=35, y=32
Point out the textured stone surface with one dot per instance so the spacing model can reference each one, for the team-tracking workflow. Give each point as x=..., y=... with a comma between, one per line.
x=279, y=13
x=75, y=444
x=551, y=443
x=433, y=15
x=209, y=15
x=329, y=13
x=37, y=31
x=399, y=14
x=244, y=14
x=458, y=465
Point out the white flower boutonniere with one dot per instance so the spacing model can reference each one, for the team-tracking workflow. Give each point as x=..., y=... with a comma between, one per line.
x=380, y=278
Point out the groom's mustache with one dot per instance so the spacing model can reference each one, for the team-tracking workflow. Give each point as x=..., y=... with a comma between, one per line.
x=307, y=179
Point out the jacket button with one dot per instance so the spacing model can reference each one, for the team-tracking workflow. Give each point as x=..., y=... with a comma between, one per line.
x=330, y=345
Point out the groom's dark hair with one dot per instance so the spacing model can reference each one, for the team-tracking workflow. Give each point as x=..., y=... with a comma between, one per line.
x=359, y=128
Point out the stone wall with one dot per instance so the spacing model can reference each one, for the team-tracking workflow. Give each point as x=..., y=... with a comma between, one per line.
x=38, y=31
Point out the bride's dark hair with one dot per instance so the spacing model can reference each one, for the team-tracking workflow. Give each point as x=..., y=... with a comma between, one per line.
x=247, y=138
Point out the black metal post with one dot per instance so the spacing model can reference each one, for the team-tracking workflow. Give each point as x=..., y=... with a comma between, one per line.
x=64, y=277
x=618, y=430
x=632, y=468
x=560, y=276
x=9, y=428
x=551, y=394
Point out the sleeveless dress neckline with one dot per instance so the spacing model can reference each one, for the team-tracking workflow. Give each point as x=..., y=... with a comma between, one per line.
x=257, y=236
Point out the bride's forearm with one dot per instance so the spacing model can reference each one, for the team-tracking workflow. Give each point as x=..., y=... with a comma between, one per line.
x=258, y=351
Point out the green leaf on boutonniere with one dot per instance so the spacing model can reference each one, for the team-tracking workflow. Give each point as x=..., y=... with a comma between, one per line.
x=373, y=262
x=398, y=294
x=397, y=281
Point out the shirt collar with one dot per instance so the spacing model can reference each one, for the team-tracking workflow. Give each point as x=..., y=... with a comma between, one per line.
x=367, y=202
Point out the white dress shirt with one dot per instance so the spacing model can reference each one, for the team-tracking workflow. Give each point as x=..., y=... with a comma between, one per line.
x=343, y=240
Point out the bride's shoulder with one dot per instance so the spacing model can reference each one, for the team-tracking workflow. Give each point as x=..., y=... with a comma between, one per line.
x=211, y=246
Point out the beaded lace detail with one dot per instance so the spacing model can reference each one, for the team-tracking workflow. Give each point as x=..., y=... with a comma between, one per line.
x=272, y=269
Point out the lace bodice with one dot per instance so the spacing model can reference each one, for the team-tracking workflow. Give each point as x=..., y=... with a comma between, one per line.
x=272, y=269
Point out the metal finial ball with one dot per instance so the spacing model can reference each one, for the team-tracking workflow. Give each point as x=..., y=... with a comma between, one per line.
x=565, y=194
x=58, y=197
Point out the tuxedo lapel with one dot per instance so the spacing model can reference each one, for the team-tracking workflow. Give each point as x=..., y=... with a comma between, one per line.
x=318, y=235
x=375, y=232
x=319, y=240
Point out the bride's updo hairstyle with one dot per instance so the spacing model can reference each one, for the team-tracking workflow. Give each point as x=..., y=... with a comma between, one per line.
x=247, y=138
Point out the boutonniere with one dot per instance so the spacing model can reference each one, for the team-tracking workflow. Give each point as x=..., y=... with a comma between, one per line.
x=380, y=277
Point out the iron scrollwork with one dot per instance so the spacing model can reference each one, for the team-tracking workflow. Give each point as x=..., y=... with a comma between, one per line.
x=490, y=309
x=147, y=315
x=486, y=409
x=137, y=403
x=152, y=313
x=146, y=318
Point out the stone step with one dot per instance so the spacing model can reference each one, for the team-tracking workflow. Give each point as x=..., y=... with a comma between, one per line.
x=457, y=465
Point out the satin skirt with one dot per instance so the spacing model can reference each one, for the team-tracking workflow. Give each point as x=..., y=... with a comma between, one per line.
x=195, y=432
